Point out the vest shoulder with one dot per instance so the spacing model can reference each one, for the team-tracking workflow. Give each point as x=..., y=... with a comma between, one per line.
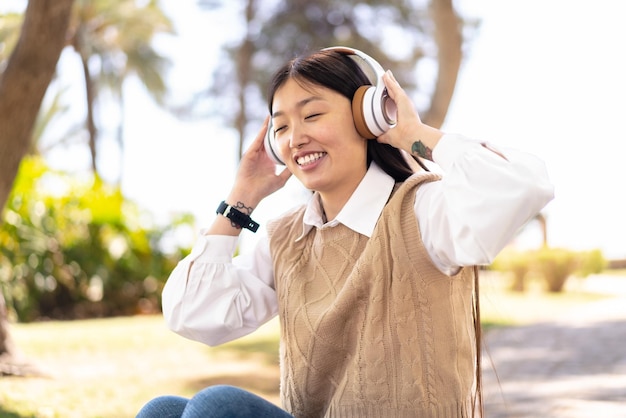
x=403, y=189
x=422, y=177
x=288, y=219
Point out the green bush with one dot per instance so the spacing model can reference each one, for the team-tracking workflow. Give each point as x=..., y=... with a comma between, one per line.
x=591, y=262
x=82, y=252
x=517, y=263
x=553, y=265
x=556, y=265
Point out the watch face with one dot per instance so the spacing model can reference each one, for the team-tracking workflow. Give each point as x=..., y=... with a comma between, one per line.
x=222, y=208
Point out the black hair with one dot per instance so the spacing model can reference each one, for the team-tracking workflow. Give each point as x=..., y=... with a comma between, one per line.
x=338, y=72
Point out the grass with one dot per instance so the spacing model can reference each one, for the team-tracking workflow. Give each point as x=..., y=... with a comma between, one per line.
x=111, y=367
x=500, y=307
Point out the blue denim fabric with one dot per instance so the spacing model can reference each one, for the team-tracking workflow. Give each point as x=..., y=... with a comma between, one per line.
x=216, y=401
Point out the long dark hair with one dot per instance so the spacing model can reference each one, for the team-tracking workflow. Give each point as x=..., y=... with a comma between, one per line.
x=339, y=72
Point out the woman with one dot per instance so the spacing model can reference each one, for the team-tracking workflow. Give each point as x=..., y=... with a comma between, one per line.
x=373, y=278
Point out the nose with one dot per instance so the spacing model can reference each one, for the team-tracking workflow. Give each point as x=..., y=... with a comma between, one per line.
x=298, y=137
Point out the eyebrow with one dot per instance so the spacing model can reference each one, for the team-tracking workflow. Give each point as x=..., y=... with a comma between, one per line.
x=300, y=104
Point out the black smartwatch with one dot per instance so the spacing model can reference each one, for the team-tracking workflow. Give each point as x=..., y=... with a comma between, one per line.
x=236, y=216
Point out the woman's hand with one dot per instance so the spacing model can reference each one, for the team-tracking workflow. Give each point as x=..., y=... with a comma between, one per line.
x=256, y=177
x=410, y=133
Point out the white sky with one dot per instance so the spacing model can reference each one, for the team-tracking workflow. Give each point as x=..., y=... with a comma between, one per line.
x=549, y=77
x=544, y=76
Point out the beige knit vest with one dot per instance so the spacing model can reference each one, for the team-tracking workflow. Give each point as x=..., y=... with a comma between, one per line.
x=370, y=327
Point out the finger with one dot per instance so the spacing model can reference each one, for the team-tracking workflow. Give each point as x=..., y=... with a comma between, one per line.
x=257, y=143
x=393, y=77
x=399, y=96
x=260, y=137
x=391, y=83
x=406, y=109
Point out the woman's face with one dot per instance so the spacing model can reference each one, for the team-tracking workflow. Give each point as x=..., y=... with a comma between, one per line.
x=317, y=139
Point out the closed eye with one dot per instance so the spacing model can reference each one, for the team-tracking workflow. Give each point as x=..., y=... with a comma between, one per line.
x=309, y=117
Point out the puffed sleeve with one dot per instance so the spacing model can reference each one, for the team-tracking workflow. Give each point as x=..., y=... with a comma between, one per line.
x=483, y=200
x=214, y=298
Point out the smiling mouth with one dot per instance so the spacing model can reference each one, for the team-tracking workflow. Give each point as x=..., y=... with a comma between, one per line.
x=310, y=158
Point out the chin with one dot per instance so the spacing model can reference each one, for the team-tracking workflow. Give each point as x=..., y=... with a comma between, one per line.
x=311, y=184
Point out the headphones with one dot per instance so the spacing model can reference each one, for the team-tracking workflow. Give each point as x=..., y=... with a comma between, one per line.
x=373, y=111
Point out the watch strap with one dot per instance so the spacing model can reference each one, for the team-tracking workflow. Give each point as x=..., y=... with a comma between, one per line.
x=237, y=217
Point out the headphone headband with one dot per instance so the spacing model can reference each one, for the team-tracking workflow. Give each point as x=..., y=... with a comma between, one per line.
x=377, y=70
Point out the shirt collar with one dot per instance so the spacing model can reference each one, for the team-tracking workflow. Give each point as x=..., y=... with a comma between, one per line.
x=361, y=211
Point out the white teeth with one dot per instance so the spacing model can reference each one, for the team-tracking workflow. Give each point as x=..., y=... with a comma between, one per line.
x=308, y=159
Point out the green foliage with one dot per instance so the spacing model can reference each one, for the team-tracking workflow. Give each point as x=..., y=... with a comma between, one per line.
x=556, y=265
x=81, y=252
x=553, y=265
x=115, y=37
x=517, y=263
x=592, y=262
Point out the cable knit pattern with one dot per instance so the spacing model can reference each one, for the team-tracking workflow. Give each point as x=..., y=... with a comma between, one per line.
x=370, y=327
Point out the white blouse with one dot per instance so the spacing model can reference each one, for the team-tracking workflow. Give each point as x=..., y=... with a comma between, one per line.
x=465, y=219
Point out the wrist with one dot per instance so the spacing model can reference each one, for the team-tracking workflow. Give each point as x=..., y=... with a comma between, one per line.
x=247, y=198
x=423, y=141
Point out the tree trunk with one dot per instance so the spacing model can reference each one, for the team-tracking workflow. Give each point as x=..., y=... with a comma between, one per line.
x=244, y=60
x=449, y=39
x=23, y=85
x=544, y=228
x=25, y=80
x=91, y=124
x=11, y=363
x=7, y=349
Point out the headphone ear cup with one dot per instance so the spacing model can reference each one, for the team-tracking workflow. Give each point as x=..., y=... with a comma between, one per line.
x=271, y=148
x=358, y=109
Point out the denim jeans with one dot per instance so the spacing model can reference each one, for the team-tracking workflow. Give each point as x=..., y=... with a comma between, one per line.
x=213, y=402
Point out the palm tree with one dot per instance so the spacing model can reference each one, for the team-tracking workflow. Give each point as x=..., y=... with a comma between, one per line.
x=113, y=39
x=23, y=83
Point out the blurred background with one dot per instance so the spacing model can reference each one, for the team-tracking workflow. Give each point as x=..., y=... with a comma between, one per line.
x=151, y=104
x=542, y=77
